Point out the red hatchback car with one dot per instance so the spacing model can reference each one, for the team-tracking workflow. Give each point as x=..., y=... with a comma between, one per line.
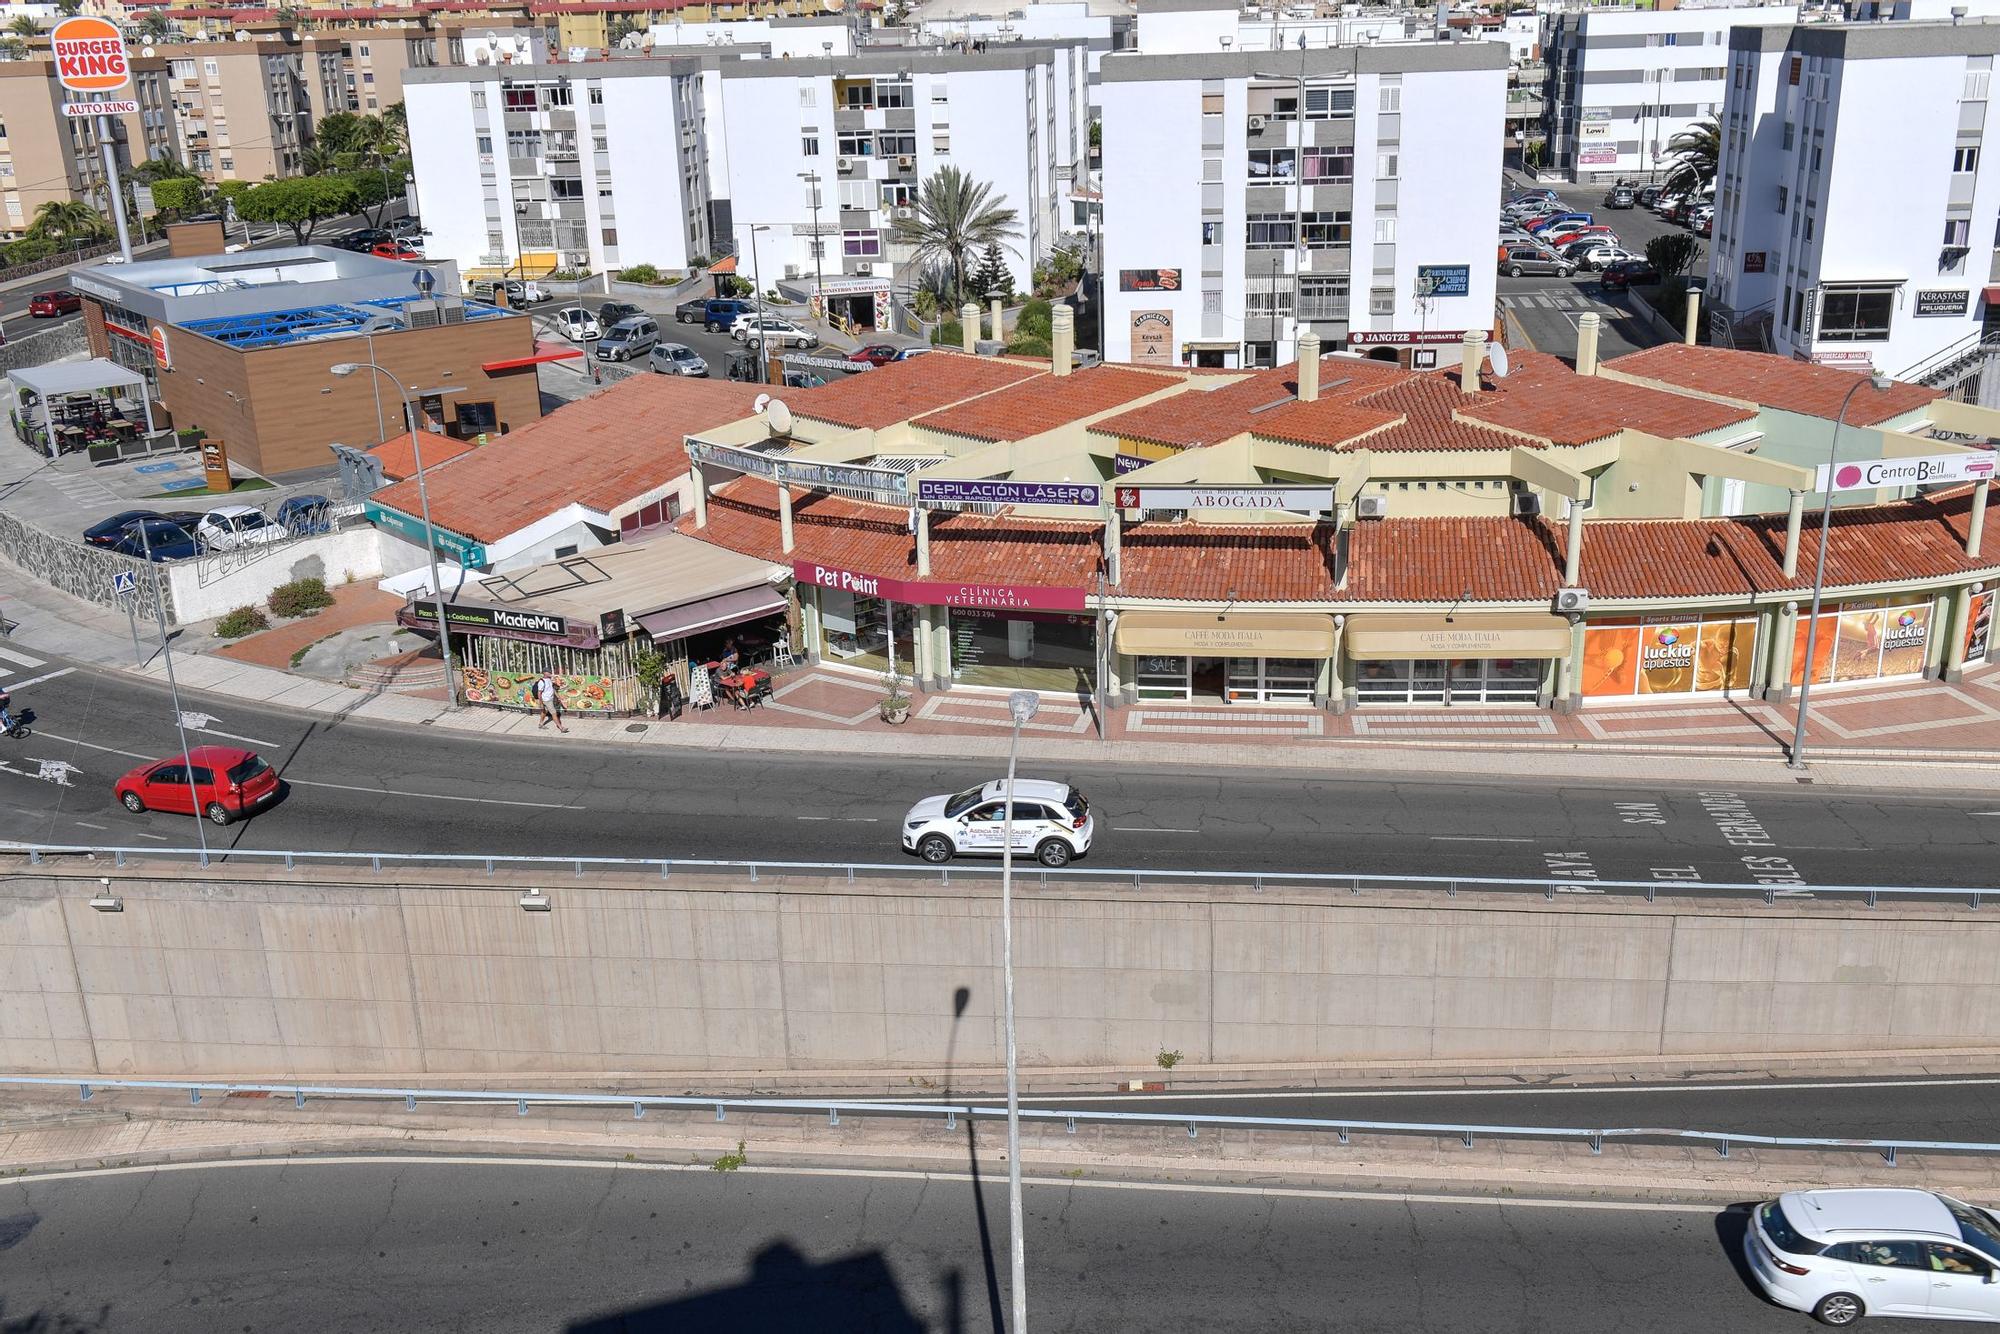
x=227, y=782
x=875, y=354
x=48, y=305
x=393, y=250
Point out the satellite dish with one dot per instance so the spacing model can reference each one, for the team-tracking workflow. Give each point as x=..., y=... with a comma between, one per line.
x=779, y=416
x=146, y=51
x=491, y=37
x=762, y=401
x=1497, y=354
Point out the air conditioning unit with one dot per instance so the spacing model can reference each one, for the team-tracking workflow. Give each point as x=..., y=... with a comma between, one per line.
x=1527, y=505
x=843, y=164
x=792, y=271
x=1576, y=600
x=1371, y=507
x=864, y=270
x=904, y=212
x=1256, y=122
x=906, y=162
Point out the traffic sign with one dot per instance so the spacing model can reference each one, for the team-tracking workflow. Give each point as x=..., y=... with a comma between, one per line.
x=90, y=55
x=124, y=581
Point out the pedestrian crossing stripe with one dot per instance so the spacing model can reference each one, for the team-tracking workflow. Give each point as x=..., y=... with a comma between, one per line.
x=20, y=659
x=35, y=680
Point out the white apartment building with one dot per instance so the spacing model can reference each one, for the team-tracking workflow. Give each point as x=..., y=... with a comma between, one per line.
x=777, y=38
x=1249, y=196
x=1856, y=205
x=1623, y=82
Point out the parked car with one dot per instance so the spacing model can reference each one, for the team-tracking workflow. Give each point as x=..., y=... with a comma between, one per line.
x=1648, y=196
x=370, y=236
x=519, y=293
x=1532, y=194
x=611, y=312
x=48, y=305
x=1596, y=256
x=1705, y=225
x=691, y=312
x=1542, y=224
x=106, y=532
x=407, y=227
x=229, y=527
x=803, y=380
x=723, y=311
x=633, y=336
x=1845, y=1254
x=157, y=538
x=754, y=331
x=1569, y=233
x=223, y=783
x=1051, y=820
x=577, y=324
x=303, y=516
x=874, y=354
x=1628, y=273
x=1620, y=196
x=394, y=250
x=1517, y=261
x=677, y=359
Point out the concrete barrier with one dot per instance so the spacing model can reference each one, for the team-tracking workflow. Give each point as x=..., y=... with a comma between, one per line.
x=262, y=973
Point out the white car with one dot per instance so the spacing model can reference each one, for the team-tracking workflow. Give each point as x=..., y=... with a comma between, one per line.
x=1845, y=1254
x=576, y=324
x=1052, y=822
x=752, y=333
x=230, y=527
x=1600, y=256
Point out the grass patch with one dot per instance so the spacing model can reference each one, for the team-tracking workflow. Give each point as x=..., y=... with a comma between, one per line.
x=247, y=484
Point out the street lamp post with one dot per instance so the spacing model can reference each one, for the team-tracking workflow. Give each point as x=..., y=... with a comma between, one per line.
x=1021, y=706
x=173, y=686
x=347, y=368
x=762, y=335
x=811, y=178
x=1877, y=383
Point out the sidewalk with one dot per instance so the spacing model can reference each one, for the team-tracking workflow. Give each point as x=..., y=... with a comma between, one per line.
x=1954, y=730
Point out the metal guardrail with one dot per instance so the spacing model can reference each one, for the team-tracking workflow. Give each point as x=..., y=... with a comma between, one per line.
x=1138, y=877
x=1468, y=1134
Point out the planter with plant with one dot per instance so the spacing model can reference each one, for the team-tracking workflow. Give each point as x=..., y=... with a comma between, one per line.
x=895, y=705
x=243, y=621
x=649, y=665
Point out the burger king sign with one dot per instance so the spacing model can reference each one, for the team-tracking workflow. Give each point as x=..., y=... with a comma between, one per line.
x=90, y=55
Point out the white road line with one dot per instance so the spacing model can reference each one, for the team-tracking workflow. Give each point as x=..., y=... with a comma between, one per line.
x=1147, y=829
x=435, y=796
x=886, y=1174
x=37, y=680
x=268, y=745
x=85, y=824
x=841, y=819
x=11, y=656
x=1508, y=1091
x=1478, y=838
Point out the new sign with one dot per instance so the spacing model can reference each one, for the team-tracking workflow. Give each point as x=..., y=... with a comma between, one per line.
x=1444, y=279
x=1149, y=280
x=501, y=620
x=1303, y=498
x=90, y=56
x=1935, y=301
x=461, y=549
x=932, y=593
x=946, y=491
x=1927, y=470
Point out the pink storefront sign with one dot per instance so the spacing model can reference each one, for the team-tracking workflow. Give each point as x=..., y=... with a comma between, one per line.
x=935, y=593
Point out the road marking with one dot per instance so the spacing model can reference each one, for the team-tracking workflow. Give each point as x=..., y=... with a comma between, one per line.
x=268, y=745
x=1148, y=829
x=1510, y=1090
x=88, y=825
x=48, y=771
x=435, y=796
x=887, y=1174
x=11, y=656
x=1478, y=838
x=842, y=819
x=37, y=680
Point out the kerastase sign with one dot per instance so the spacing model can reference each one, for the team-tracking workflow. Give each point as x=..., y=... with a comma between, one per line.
x=1924, y=470
x=1303, y=498
x=984, y=492
x=935, y=593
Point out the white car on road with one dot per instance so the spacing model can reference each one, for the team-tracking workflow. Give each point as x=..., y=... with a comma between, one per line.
x=229, y=527
x=1845, y=1254
x=576, y=324
x=753, y=332
x=1052, y=822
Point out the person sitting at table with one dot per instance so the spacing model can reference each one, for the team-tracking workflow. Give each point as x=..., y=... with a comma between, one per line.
x=732, y=656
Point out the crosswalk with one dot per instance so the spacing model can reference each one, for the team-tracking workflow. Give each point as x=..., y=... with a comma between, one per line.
x=1558, y=298
x=19, y=670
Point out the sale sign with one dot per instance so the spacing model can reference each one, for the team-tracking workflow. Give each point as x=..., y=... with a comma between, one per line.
x=90, y=55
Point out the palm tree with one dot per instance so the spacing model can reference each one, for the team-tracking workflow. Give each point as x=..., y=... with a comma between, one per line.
x=155, y=27
x=67, y=220
x=1696, y=150
x=955, y=215
x=24, y=27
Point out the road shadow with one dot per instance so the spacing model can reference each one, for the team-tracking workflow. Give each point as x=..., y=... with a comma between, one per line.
x=14, y=1321
x=786, y=1292
x=1731, y=1225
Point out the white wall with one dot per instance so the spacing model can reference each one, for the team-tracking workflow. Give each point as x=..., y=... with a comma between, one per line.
x=446, y=162
x=1754, y=163
x=785, y=39
x=1152, y=205
x=201, y=590
x=644, y=173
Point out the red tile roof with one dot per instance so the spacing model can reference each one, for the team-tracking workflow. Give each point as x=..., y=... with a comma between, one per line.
x=1046, y=402
x=598, y=452
x=1774, y=382
x=398, y=459
x=1543, y=397
x=1202, y=417
x=905, y=389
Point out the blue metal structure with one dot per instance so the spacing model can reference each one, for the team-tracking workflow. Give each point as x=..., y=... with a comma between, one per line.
x=276, y=328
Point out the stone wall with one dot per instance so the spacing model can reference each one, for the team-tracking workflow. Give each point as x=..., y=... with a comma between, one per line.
x=66, y=562
x=293, y=974
x=44, y=346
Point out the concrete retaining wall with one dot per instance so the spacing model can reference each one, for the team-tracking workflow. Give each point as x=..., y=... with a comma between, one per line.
x=217, y=584
x=295, y=975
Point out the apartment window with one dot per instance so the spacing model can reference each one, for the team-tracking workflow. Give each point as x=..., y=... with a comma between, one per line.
x=1392, y=98
x=1382, y=301
x=1327, y=229
x=517, y=99
x=809, y=145
x=1211, y=104
x=1977, y=82
x=1329, y=164
x=596, y=95
x=211, y=69
x=1329, y=103
x=1784, y=197
x=1958, y=232
x=479, y=97
x=1385, y=231
x=808, y=95
x=1268, y=303
x=1211, y=233
x=486, y=145
x=940, y=93
x=896, y=145
x=559, y=96
x=1268, y=231
x=856, y=145
x=599, y=143
x=1856, y=314
x=899, y=195
x=1965, y=159
x=894, y=93
x=1385, y=166
x=857, y=194
x=1323, y=298
x=861, y=244
x=565, y=188
x=941, y=142
x=1268, y=164
x=225, y=163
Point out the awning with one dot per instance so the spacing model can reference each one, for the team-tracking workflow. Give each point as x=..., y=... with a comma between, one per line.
x=711, y=613
x=1526, y=634
x=1992, y=295
x=517, y=363
x=1242, y=634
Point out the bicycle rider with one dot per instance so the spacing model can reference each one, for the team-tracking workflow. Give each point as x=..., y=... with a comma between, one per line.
x=7, y=720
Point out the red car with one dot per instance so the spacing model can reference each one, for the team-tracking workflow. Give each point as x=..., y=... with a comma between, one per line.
x=875, y=354
x=47, y=305
x=393, y=250
x=228, y=783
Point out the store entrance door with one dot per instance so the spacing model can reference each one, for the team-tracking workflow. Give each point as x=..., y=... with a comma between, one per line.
x=1209, y=678
x=857, y=311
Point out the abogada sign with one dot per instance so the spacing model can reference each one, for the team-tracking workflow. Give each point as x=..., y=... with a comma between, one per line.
x=90, y=55
x=1302, y=498
x=1926, y=470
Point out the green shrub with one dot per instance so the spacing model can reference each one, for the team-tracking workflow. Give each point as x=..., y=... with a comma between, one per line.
x=949, y=334
x=1030, y=347
x=301, y=597
x=243, y=621
x=639, y=273
x=1035, y=321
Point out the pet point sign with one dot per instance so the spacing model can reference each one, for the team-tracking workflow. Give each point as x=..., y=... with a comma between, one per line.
x=89, y=55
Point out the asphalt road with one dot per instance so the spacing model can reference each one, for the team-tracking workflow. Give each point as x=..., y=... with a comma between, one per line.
x=413, y=1247
x=354, y=786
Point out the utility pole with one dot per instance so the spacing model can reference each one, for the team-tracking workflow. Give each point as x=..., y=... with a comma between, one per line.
x=811, y=178
x=174, y=689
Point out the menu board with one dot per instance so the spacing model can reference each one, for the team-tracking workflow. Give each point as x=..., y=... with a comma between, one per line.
x=1668, y=657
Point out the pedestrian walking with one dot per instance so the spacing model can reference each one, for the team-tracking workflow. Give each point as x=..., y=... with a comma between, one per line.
x=545, y=695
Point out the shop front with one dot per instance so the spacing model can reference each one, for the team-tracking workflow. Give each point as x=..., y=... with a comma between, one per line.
x=1690, y=654
x=1882, y=639
x=1454, y=659
x=1229, y=657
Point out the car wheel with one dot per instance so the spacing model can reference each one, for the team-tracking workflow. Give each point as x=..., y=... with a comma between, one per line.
x=133, y=803
x=1839, y=1308
x=1053, y=852
x=754, y=344
x=711, y=327
x=218, y=813
x=935, y=849
x=1514, y=270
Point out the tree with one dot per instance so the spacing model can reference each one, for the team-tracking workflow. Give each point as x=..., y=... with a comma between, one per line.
x=69, y=8
x=1672, y=254
x=993, y=278
x=169, y=168
x=181, y=194
x=25, y=27
x=301, y=202
x=341, y=132
x=1696, y=151
x=372, y=191
x=395, y=128
x=155, y=27
x=67, y=220
x=955, y=215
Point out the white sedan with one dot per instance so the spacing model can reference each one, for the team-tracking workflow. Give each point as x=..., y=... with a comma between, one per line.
x=576, y=324
x=230, y=527
x=1052, y=822
x=1840, y=1255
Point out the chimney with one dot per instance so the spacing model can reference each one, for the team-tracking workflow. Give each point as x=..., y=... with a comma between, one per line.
x=1693, y=314
x=1062, y=340
x=1475, y=352
x=968, y=323
x=1308, y=367
x=1586, y=344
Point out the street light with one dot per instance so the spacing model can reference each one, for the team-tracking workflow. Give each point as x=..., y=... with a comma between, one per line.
x=343, y=369
x=811, y=178
x=763, y=335
x=1878, y=383
x=1021, y=706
